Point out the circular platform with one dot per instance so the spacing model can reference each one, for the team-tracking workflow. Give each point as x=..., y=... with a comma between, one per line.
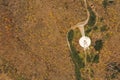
x=85, y=42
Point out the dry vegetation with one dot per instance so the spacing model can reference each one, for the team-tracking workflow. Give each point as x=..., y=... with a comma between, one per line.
x=33, y=39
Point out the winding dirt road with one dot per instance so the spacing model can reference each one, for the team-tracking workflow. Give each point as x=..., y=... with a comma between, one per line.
x=80, y=25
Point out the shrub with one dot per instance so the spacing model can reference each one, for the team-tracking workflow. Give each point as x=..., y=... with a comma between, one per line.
x=103, y=28
x=98, y=45
x=92, y=19
x=95, y=28
x=70, y=35
x=104, y=3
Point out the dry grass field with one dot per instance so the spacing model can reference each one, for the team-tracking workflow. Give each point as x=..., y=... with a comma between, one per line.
x=33, y=42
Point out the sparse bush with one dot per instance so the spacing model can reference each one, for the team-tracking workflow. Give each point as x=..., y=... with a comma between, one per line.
x=93, y=58
x=103, y=28
x=111, y=1
x=105, y=3
x=96, y=58
x=95, y=28
x=107, y=36
x=70, y=35
x=98, y=45
x=88, y=30
x=92, y=19
x=113, y=70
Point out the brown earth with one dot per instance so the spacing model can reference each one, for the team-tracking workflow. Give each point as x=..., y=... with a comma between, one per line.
x=33, y=38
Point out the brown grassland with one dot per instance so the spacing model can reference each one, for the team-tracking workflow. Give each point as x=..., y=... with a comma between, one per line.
x=33, y=42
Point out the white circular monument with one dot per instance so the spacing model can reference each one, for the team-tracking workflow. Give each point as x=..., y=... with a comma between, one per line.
x=85, y=42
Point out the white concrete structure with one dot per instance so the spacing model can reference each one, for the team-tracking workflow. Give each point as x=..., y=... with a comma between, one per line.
x=85, y=42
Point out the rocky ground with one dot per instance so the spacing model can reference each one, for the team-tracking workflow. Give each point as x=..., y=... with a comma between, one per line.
x=33, y=38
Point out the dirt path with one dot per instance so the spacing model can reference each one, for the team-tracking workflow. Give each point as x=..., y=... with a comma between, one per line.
x=33, y=37
x=80, y=25
x=78, y=62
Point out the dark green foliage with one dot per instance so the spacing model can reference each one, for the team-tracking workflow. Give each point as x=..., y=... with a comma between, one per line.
x=89, y=58
x=74, y=53
x=96, y=58
x=111, y=1
x=93, y=58
x=117, y=68
x=89, y=29
x=70, y=35
x=77, y=72
x=92, y=19
x=78, y=61
x=105, y=3
x=98, y=45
